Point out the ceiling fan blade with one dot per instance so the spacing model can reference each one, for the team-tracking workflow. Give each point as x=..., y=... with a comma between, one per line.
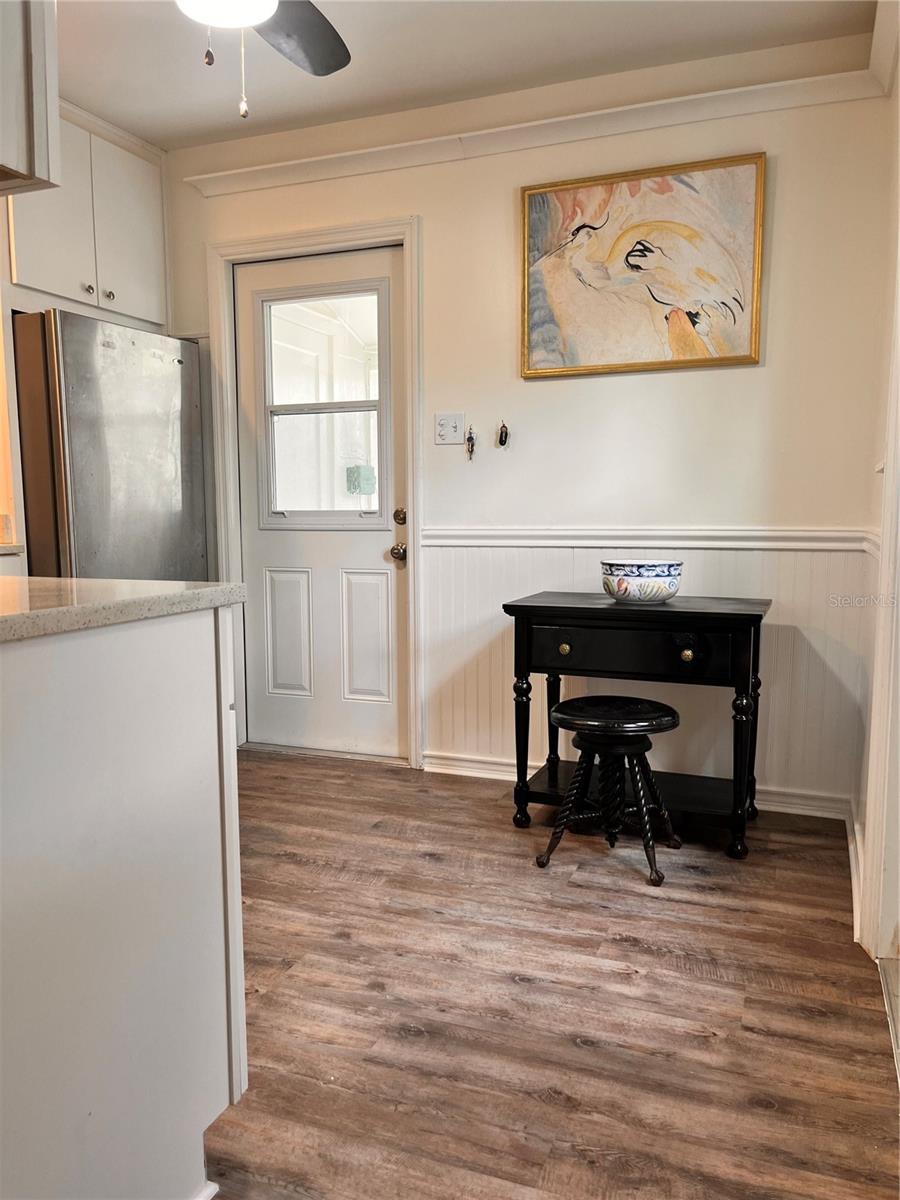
x=305, y=37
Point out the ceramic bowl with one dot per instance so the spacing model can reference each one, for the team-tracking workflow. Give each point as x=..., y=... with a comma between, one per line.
x=642, y=580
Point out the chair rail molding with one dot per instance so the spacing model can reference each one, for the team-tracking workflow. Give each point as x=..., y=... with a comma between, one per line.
x=674, y=537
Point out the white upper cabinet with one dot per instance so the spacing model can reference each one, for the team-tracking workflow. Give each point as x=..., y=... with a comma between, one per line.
x=98, y=238
x=29, y=103
x=52, y=232
x=128, y=222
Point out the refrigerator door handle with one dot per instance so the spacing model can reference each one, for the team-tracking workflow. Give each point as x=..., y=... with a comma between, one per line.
x=60, y=442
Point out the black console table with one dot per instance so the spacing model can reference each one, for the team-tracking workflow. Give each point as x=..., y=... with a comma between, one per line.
x=688, y=639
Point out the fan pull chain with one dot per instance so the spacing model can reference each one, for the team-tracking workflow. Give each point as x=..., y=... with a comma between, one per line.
x=209, y=58
x=243, y=107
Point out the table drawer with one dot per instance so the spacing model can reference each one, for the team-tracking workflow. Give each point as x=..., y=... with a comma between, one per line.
x=683, y=656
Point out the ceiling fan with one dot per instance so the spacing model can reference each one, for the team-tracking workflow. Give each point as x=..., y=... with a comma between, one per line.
x=295, y=28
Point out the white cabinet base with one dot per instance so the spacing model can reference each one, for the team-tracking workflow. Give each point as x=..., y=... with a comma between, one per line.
x=121, y=988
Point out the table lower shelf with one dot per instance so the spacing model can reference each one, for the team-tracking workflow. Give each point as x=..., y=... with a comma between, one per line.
x=705, y=795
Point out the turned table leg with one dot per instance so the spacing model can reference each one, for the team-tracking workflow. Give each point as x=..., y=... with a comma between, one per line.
x=742, y=720
x=522, y=694
x=752, y=810
x=553, y=688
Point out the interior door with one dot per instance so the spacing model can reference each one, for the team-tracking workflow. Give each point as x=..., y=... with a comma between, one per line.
x=322, y=441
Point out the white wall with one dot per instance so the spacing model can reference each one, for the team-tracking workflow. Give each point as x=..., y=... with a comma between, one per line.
x=792, y=442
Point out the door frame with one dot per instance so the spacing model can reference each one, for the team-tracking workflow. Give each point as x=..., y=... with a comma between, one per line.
x=221, y=260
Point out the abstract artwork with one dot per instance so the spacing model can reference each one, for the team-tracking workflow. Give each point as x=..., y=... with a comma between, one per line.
x=644, y=270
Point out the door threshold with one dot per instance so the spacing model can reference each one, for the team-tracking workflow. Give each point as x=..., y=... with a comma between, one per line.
x=305, y=752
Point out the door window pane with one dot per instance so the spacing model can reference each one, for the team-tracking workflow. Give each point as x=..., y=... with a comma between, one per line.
x=325, y=461
x=324, y=351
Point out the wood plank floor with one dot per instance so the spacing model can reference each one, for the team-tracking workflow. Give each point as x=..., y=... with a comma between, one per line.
x=431, y=1017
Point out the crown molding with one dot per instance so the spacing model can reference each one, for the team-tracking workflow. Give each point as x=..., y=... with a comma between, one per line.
x=883, y=51
x=110, y=133
x=710, y=106
x=661, y=537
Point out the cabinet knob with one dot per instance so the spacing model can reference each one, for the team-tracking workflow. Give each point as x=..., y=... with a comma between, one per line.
x=687, y=655
x=89, y=288
x=110, y=294
x=565, y=648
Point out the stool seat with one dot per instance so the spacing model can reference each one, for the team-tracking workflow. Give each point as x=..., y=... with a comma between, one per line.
x=614, y=716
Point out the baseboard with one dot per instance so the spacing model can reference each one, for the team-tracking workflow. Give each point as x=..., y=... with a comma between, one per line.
x=303, y=752
x=889, y=973
x=483, y=768
x=207, y=1192
x=802, y=803
x=855, y=850
x=768, y=799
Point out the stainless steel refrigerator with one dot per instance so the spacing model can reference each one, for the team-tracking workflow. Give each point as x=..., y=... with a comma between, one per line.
x=112, y=449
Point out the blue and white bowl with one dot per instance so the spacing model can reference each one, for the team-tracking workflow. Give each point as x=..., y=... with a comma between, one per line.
x=642, y=580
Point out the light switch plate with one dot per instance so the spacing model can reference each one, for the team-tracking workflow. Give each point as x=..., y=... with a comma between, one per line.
x=449, y=429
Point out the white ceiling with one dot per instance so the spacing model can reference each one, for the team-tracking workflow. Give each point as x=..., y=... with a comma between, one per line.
x=138, y=63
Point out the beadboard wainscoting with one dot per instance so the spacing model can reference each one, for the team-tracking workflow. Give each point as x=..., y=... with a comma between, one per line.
x=815, y=666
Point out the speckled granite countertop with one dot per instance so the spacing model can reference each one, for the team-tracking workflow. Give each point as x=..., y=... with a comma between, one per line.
x=33, y=606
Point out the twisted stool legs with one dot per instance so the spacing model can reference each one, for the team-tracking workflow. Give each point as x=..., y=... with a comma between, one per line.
x=615, y=799
x=578, y=788
x=640, y=795
x=673, y=841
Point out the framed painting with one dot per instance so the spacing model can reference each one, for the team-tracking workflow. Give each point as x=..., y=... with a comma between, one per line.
x=644, y=270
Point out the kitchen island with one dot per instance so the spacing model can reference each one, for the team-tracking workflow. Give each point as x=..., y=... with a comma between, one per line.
x=121, y=973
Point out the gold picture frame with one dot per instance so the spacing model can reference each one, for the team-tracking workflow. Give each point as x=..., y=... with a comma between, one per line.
x=594, y=250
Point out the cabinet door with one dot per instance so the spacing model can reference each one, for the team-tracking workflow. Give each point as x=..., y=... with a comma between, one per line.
x=128, y=222
x=29, y=99
x=52, y=232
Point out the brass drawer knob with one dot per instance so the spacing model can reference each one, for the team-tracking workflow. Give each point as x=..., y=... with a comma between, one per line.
x=687, y=655
x=565, y=648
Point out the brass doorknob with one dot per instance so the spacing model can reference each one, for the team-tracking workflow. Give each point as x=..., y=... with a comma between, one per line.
x=687, y=656
x=399, y=552
x=565, y=649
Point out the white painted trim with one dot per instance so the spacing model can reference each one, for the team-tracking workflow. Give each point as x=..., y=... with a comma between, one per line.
x=43, y=55
x=893, y=1014
x=802, y=803
x=786, y=800
x=385, y=760
x=883, y=54
x=723, y=537
x=481, y=767
x=878, y=901
x=657, y=114
x=221, y=258
x=857, y=857
x=110, y=133
x=238, y=1069
x=207, y=1192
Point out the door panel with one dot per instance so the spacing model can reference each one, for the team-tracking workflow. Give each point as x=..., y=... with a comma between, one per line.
x=289, y=632
x=366, y=634
x=322, y=440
